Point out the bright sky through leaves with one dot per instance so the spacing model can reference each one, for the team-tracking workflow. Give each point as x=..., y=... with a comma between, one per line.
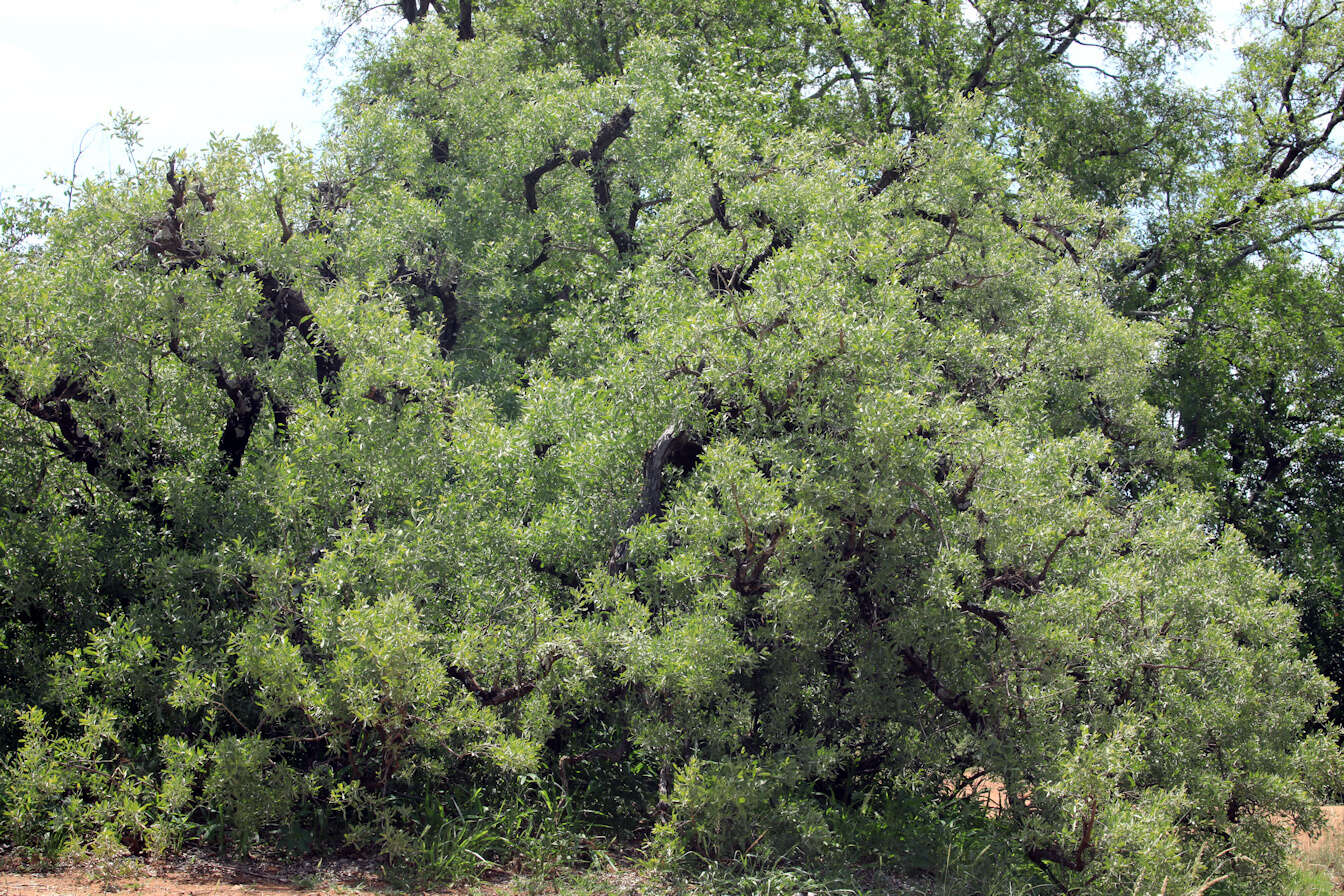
x=190, y=69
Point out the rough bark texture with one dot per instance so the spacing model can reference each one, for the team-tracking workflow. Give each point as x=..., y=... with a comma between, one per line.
x=677, y=447
x=599, y=171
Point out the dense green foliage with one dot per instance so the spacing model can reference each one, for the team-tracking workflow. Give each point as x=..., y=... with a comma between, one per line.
x=728, y=422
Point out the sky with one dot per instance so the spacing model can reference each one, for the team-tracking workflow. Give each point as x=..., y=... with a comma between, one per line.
x=1228, y=31
x=191, y=68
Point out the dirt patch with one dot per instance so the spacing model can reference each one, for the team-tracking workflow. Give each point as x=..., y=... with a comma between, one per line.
x=1324, y=853
x=978, y=786
x=207, y=877
x=1331, y=835
x=78, y=883
x=195, y=876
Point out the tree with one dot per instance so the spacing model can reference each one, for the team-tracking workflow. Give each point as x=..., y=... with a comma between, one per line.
x=1242, y=263
x=729, y=392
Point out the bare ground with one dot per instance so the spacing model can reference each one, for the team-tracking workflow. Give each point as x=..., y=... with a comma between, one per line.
x=1324, y=853
x=202, y=875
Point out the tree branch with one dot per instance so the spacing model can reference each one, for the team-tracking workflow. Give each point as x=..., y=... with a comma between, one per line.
x=677, y=447
x=74, y=443
x=923, y=672
x=501, y=694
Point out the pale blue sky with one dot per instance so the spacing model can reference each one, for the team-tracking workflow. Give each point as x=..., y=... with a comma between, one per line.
x=190, y=68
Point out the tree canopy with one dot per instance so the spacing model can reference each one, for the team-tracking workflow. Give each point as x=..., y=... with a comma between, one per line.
x=728, y=416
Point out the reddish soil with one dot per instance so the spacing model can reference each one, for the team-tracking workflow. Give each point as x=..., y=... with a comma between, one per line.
x=201, y=876
x=79, y=883
x=1333, y=833
x=197, y=876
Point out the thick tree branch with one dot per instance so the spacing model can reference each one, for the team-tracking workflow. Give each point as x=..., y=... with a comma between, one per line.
x=1065, y=247
x=465, y=31
x=533, y=177
x=443, y=289
x=677, y=447
x=281, y=308
x=738, y=279
x=54, y=407
x=595, y=157
x=75, y=443
x=292, y=309
x=978, y=79
x=282, y=304
x=286, y=229
x=888, y=177
x=924, y=673
x=851, y=66
x=1076, y=859
x=245, y=395
x=1017, y=578
x=497, y=695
